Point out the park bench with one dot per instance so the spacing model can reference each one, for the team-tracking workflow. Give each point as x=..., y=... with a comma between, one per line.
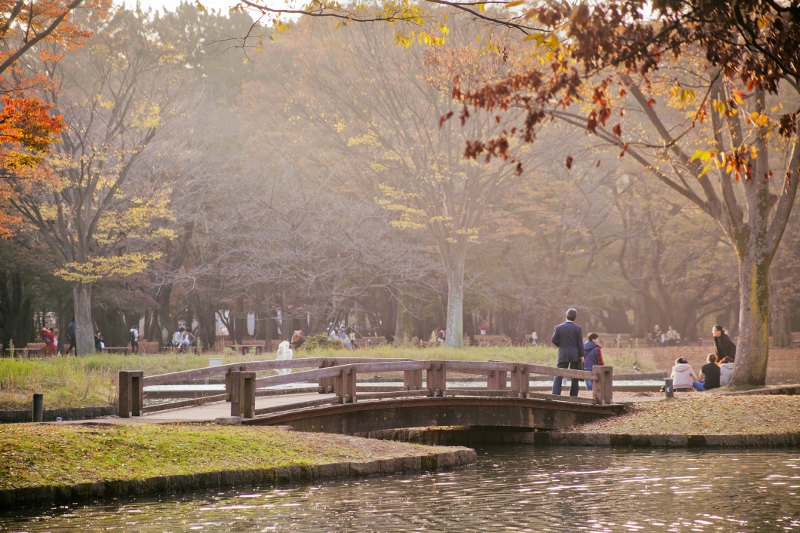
x=375, y=340
x=33, y=349
x=148, y=347
x=117, y=349
x=493, y=340
x=245, y=348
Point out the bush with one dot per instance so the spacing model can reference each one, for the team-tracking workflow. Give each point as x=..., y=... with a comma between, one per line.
x=321, y=341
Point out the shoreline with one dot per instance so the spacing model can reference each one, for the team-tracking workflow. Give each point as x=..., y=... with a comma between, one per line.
x=455, y=456
x=732, y=420
x=273, y=477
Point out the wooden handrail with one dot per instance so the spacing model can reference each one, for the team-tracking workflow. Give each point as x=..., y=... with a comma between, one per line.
x=341, y=373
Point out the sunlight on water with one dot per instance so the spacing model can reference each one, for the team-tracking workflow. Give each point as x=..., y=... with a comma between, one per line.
x=508, y=489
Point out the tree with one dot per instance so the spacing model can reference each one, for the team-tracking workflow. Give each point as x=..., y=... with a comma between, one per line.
x=96, y=219
x=389, y=122
x=730, y=177
x=27, y=128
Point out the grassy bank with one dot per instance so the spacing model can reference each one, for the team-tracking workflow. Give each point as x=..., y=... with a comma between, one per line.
x=34, y=455
x=90, y=381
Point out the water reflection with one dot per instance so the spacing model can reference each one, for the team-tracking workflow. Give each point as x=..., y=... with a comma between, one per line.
x=511, y=488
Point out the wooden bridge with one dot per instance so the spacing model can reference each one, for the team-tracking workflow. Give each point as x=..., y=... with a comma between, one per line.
x=410, y=393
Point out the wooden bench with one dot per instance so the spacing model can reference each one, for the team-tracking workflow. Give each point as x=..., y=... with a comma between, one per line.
x=371, y=341
x=146, y=347
x=493, y=340
x=32, y=349
x=117, y=349
x=244, y=349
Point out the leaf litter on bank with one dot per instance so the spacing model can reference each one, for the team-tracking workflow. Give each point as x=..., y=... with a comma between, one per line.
x=705, y=414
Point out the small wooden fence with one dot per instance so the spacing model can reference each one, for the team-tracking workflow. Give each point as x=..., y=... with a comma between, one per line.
x=339, y=376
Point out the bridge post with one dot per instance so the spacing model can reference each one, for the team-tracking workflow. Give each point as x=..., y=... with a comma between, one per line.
x=327, y=384
x=603, y=384
x=229, y=383
x=496, y=379
x=521, y=381
x=131, y=393
x=243, y=394
x=436, y=378
x=345, y=386
x=412, y=379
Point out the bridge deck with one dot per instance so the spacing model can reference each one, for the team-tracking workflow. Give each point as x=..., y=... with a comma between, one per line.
x=211, y=411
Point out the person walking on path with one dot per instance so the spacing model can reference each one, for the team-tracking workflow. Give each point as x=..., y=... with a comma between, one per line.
x=724, y=348
x=568, y=337
x=593, y=355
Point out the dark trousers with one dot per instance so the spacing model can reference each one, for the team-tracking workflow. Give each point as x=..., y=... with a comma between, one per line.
x=574, y=386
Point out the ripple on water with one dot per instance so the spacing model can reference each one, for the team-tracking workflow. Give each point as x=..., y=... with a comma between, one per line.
x=510, y=488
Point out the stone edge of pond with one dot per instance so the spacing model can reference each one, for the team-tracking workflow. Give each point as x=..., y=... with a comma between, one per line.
x=273, y=477
x=762, y=440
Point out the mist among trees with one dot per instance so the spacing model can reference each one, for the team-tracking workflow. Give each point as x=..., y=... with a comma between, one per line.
x=306, y=177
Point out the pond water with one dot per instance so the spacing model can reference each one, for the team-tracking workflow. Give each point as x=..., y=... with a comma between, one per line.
x=509, y=488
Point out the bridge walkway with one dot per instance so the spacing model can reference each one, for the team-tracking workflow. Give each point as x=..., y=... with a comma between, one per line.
x=212, y=411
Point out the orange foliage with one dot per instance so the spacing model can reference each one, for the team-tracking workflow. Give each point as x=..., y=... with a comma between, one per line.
x=27, y=130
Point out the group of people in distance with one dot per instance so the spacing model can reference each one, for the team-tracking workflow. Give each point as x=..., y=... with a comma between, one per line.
x=182, y=340
x=715, y=373
x=573, y=353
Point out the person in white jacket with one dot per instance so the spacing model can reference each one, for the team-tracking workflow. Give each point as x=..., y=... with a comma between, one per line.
x=683, y=377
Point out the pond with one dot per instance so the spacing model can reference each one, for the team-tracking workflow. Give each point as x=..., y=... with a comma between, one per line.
x=509, y=488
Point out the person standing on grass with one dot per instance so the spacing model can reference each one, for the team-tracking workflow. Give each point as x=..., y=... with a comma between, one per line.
x=593, y=355
x=71, y=332
x=568, y=337
x=134, y=337
x=724, y=348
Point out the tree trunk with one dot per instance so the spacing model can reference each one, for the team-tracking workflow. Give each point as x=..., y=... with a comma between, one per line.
x=454, y=337
x=404, y=318
x=752, y=351
x=781, y=328
x=84, y=326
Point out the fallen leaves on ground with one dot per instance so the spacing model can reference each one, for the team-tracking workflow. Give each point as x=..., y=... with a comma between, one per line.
x=705, y=414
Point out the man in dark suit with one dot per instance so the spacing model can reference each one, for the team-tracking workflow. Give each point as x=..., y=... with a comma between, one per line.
x=568, y=336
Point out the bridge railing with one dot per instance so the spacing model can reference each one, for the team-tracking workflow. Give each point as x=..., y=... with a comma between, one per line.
x=339, y=376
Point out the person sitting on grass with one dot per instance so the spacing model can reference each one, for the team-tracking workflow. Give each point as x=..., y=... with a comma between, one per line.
x=710, y=373
x=683, y=377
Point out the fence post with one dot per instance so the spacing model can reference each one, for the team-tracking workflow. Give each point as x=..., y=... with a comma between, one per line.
x=38, y=406
x=327, y=384
x=521, y=380
x=346, y=385
x=131, y=393
x=412, y=379
x=436, y=378
x=496, y=379
x=243, y=394
x=602, y=384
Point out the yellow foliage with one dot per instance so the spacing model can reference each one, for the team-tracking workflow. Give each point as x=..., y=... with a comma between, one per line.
x=759, y=119
x=97, y=268
x=146, y=118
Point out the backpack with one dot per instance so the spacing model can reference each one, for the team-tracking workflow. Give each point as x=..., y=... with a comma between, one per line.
x=133, y=336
